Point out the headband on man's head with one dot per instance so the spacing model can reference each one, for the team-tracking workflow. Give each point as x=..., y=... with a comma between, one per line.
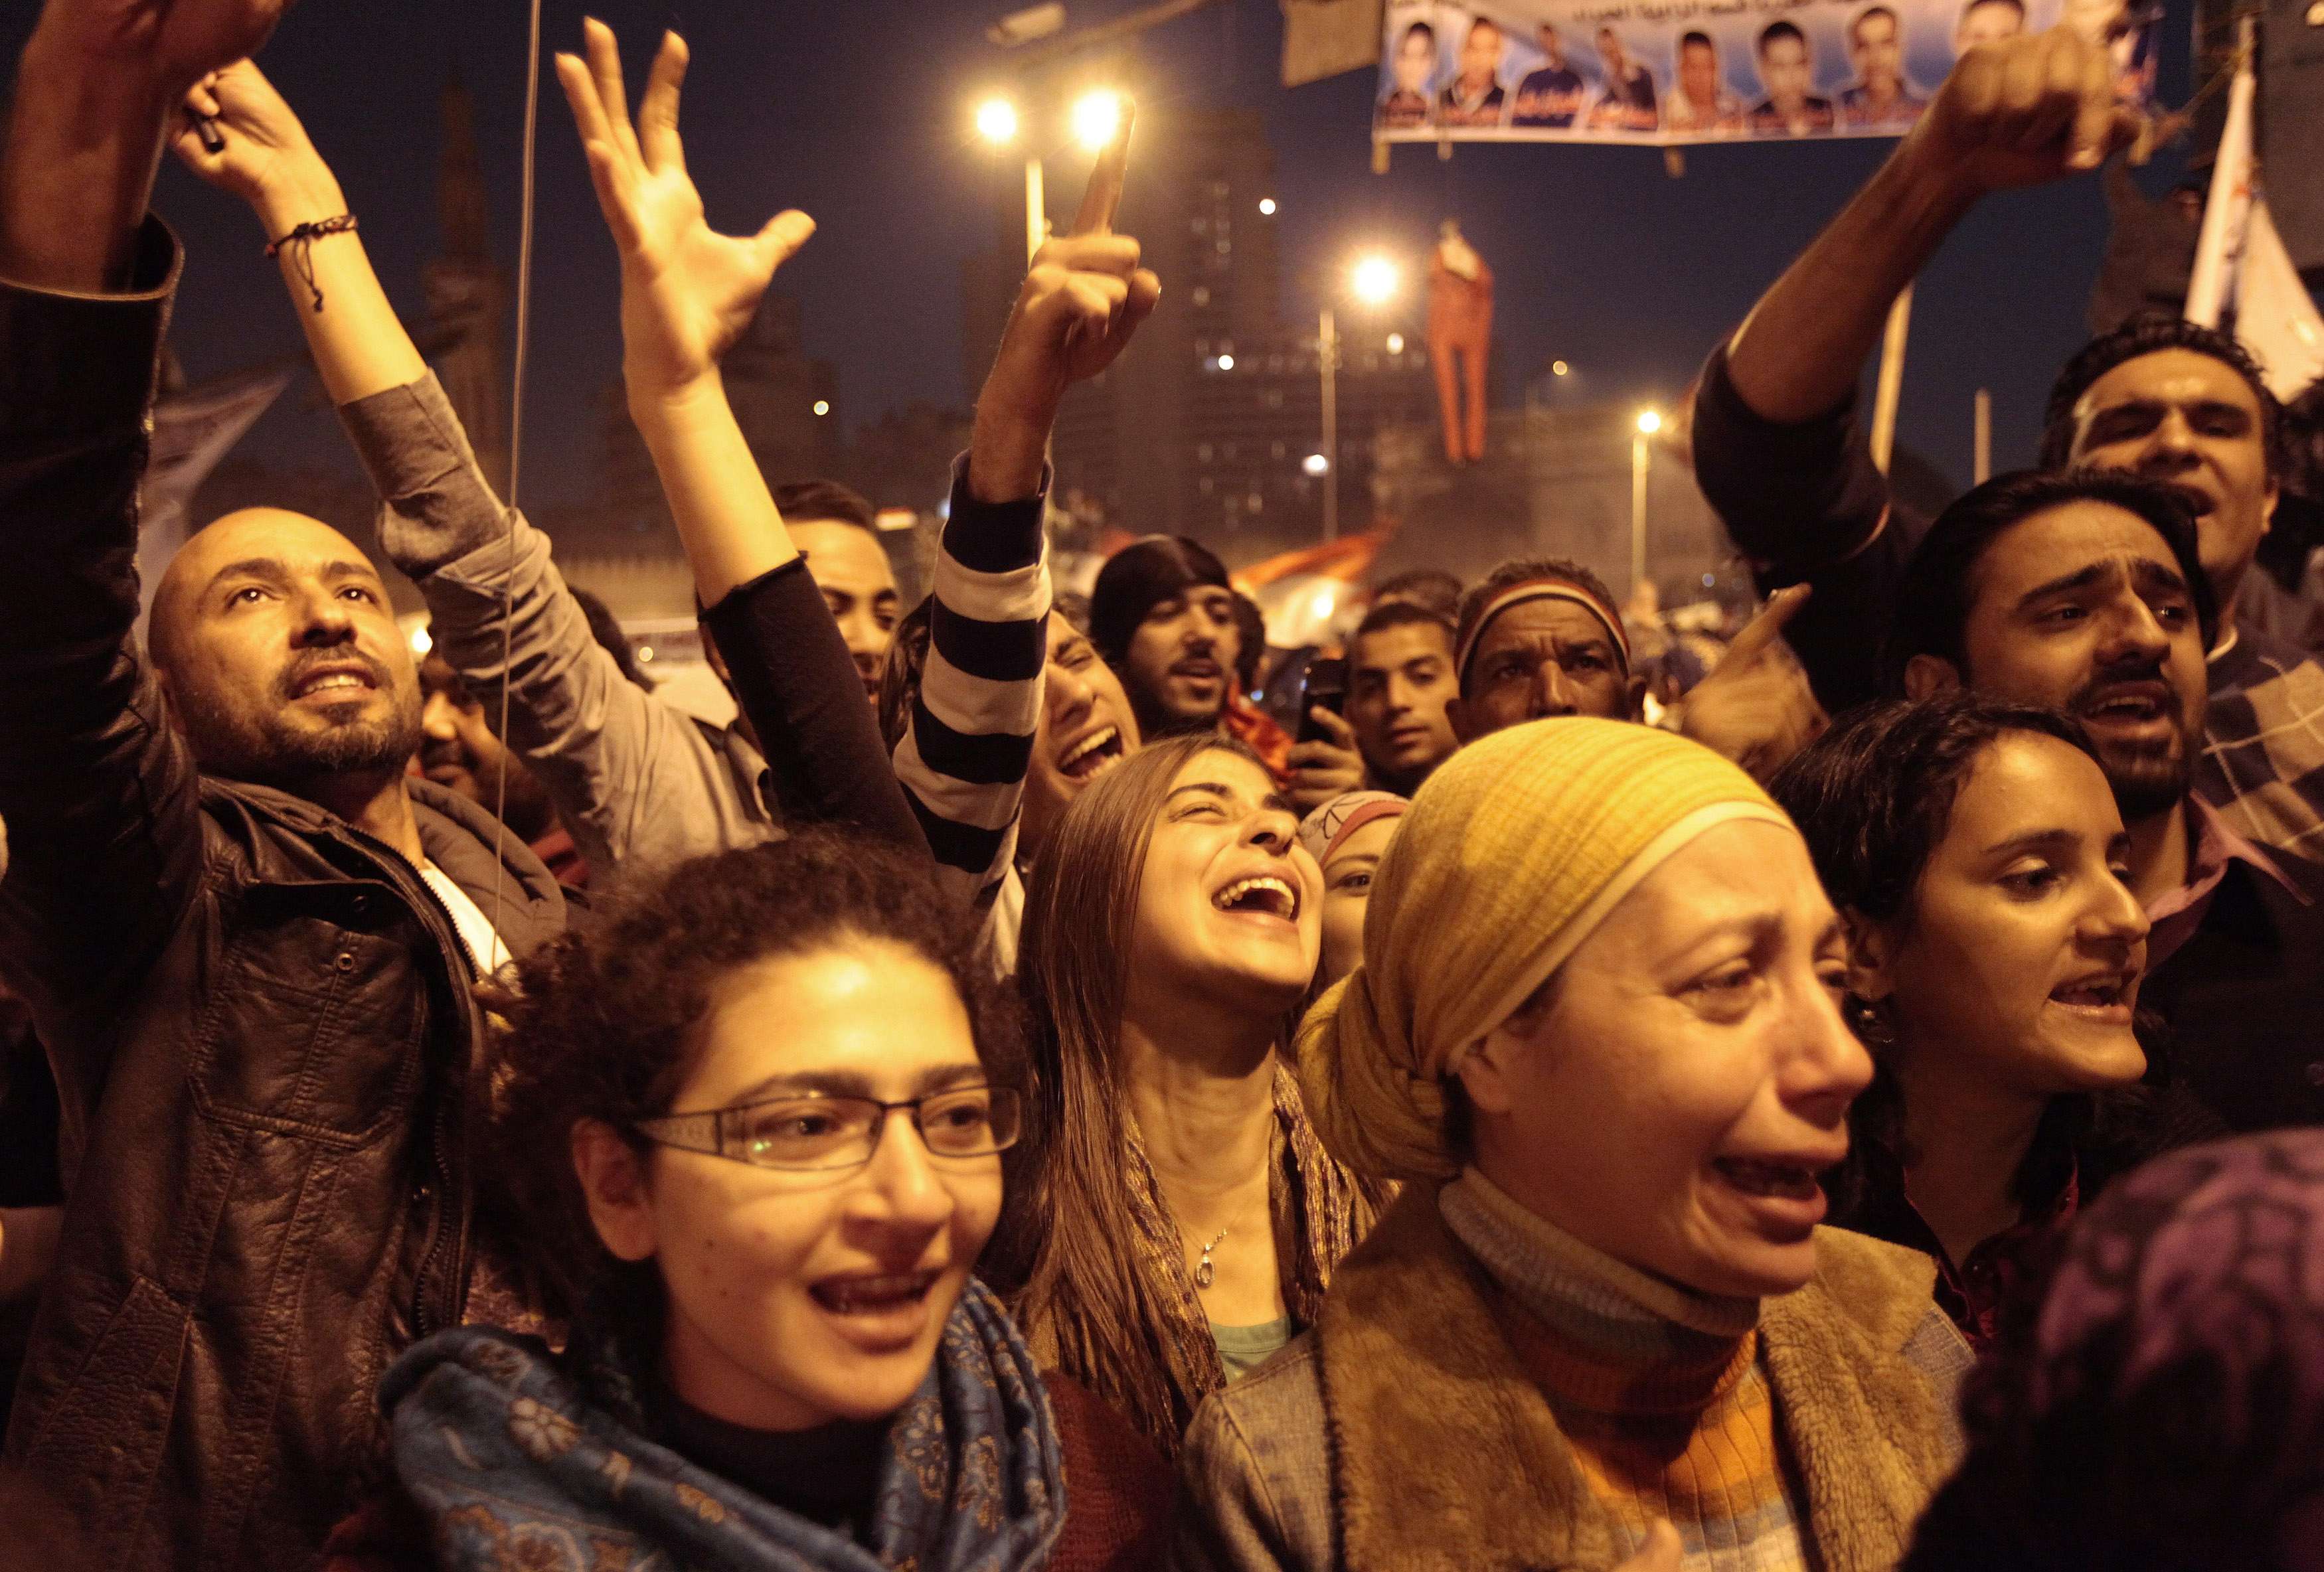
x=1541, y=590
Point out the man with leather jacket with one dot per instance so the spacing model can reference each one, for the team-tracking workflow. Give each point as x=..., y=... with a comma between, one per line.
x=247, y=937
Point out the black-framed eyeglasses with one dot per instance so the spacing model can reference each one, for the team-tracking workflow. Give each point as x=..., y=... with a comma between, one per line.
x=813, y=1132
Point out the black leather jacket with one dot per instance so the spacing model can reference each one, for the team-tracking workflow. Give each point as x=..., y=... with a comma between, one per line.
x=259, y=1022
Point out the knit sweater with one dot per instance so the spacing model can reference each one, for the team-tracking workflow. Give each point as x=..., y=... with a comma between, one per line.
x=1658, y=1390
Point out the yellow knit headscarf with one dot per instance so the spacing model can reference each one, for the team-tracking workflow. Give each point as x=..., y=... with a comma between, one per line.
x=1512, y=853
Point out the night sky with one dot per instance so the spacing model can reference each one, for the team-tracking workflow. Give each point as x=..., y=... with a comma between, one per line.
x=859, y=113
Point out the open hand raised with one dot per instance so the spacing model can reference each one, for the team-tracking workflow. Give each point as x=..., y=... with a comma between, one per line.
x=688, y=292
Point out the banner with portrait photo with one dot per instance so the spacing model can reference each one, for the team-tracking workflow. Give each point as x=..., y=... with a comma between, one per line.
x=1665, y=72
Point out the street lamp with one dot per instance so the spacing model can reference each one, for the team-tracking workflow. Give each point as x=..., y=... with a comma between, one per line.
x=1097, y=116
x=1373, y=280
x=996, y=122
x=1649, y=422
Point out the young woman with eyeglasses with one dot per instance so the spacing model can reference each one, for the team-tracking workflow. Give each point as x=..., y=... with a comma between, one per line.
x=748, y=1133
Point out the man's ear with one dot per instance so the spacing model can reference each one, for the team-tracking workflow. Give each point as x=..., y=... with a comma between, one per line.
x=1636, y=700
x=1928, y=675
x=1456, y=710
x=614, y=1181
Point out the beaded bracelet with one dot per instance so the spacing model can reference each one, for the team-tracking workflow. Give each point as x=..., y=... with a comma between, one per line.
x=304, y=238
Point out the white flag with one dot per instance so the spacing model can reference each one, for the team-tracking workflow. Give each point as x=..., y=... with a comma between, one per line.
x=2275, y=316
x=2227, y=215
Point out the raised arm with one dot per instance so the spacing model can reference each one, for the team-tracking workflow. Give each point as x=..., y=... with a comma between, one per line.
x=99, y=795
x=632, y=776
x=1777, y=446
x=688, y=292
x=262, y=155
x=2017, y=113
x=968, y=735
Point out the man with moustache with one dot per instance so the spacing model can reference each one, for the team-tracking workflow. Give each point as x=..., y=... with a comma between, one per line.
x=2085, y=591
x=1540, y=639
x=1781, y=456
x=247, y=936
x=1162, y=614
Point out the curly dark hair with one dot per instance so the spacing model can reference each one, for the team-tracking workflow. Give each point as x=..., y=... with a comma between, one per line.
x=2150, y=333
x=606, y=1022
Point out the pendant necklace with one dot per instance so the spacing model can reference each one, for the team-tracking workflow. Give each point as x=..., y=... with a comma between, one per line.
x=1206, y=1273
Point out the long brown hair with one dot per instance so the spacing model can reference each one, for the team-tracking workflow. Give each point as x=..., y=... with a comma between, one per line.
x=1078, y=1240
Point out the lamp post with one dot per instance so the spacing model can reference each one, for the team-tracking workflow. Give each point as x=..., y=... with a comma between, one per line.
x=1373, y=280
x=1096, y=116
x=1649, y=422
x=996, y=122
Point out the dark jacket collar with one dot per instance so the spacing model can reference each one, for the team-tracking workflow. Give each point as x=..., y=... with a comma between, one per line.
x=458, y=836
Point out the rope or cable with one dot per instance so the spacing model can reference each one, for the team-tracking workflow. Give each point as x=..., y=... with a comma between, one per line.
x=516, y=445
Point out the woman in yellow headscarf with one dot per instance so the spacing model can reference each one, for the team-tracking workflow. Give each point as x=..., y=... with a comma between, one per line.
x=1595, y=1035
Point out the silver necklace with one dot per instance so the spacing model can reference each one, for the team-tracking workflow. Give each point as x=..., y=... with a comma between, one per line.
x=1205, y=1273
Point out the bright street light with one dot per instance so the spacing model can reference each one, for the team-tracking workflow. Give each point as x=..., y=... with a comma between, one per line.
x=1396, y=344
x=1226, y=363
x=822, y=406
x=996, y=121
x=1375, y=281
x=1649, y=422
x=1559, y=368
x=1097, y=116
x=1316, y=464
x=1267, y=206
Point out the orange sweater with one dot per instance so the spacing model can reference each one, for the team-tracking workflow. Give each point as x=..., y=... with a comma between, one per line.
x=1659, y=1391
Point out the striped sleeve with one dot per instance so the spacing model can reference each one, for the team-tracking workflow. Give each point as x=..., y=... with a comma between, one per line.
x=969, y=737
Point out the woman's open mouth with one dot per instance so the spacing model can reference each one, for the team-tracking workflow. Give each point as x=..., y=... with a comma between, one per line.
x=883, y=1311
x=1092, y=754
x=2098, y=996
x=1265, y=896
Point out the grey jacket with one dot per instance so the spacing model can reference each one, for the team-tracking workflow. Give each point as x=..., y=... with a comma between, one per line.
x=635, y=778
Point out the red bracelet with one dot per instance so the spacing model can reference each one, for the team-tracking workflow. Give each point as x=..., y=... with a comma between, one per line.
x=304, y=237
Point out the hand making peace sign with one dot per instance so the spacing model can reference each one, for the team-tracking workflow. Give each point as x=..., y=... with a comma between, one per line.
x=1083, y=299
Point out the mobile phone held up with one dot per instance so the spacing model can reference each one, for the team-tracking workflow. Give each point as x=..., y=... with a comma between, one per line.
x=1324, y=686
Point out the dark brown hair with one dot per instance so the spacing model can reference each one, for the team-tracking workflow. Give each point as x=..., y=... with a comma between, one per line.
x=1068, y=1241
x=606, y=1022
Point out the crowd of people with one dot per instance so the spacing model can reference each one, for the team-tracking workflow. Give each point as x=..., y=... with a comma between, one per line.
x=1010, y=1101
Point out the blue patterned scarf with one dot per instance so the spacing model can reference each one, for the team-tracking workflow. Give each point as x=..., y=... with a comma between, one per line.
x=519, y=1460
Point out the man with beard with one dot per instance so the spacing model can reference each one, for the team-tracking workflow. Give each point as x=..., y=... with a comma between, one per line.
x=1781, y=456
x=247, y=939
x=2085, y=592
